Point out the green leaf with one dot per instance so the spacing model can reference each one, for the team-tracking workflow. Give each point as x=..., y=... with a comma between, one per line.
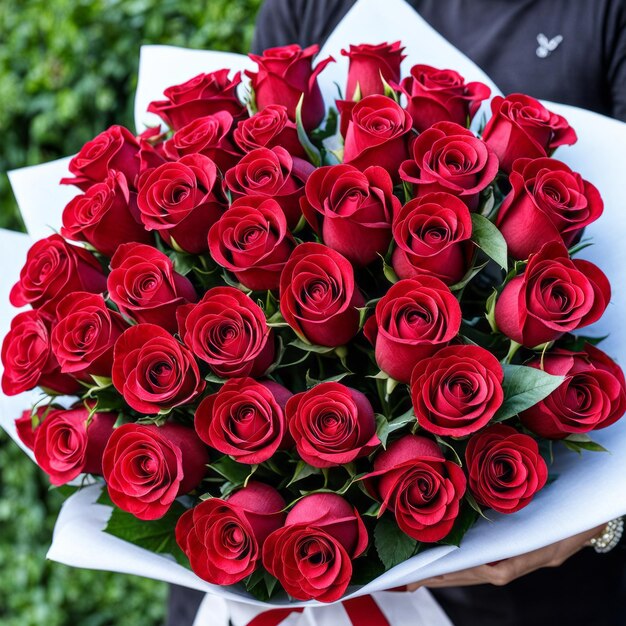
x=309, y=347
x=489, y=239
x=392, y=545
x=490, y=311
x=466, y=519
x=236, y=473
x=385, y=427
x=469, y=275
x=382, y=429
x=312, y=152
x=582, y=441
x=261, y=584
x=311, y=382
x=303, y=470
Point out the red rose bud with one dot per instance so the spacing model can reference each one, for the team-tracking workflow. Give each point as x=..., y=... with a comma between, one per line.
x=412, y=321
x=433, y=234
x=318, y=296
x=53, y=269
x=223, y=539
x=285, y=75
x=28, y=359
x=251, y=240
x=312, y=554
x=505, y=468
x=153, y=371
x=200, y=96
x=548, y=203
x=593, y=395
x=228, y=330
x=351, y=210
x=414, y=481
x=83, y=339
x=271, y=174
x=145, y=287
x=448, y=157
x=377, y=134
x=369, y=64
x=457, y=391
x=436, y=95
x=114, y=149
x=331, y=424
x=521, y=126
x=244, y=419
x=555, y=295
x=69, y=443
x=146, y=467
x=181, y=200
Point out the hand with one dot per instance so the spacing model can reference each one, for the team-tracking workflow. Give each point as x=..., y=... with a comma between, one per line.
x=504, y=572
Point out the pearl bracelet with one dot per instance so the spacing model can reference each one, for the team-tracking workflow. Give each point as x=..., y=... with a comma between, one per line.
x=610, y=536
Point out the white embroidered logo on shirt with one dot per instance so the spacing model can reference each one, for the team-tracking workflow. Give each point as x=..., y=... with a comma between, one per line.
x=547, y=46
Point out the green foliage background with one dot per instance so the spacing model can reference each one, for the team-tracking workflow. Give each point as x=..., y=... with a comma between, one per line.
x=67, y=71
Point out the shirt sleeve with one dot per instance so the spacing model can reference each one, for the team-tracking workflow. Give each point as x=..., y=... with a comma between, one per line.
x=616, y=60
x=277, y=24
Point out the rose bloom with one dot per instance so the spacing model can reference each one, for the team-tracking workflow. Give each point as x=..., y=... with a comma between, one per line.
x=351, y=210
x=228, y=330
x=436, y=95
x=593, y=395
x=432, y=235
x=555, y=295
x=244, y=419
x=145, y=287
x=332, y=424
x=285, y=75
x=412, y=479
x=548, y=202
x=505, y=468
x=457, y=391
x=223, y=539
x=318, y=296
x=153, y=371
x=71, y=442
x=252, y=241
x=202, y=95
x=369, y=65
x=312, y=554
x=24, y=425
x=146, y=467
x=521, y=126
x=412, y=321
x=448, y=157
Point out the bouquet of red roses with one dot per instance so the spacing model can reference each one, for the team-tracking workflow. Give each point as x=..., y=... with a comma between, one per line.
x=304, y=345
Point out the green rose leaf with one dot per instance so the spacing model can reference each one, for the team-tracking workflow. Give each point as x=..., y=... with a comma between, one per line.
x=392, y=545
x=489, y=239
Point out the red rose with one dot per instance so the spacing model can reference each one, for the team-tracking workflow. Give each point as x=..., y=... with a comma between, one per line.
x=312, y=554
x=28, y=359
x=505, y=468
x=269, y=128
x=593, y=395
x=181, y=200
x=555, y=295
x=251, y=240
x=24, y=426
x=412, y=321
x=145, y=287
x=432, y=234
x=71, y=442
x=153, y=371
x=105, y=216
x=200, y=96
x=244, y=419
x=448, y=157
x=285, y=75
x=377, y=134
x=351, y=210
x=318, y=296
x=223, y=539
x=228, y=330
x=548, y=202
x=271, y=174
x=146, y=467
x=53, y=269
x=436, y=95
x=414, y=481
x=83, y=339
x=457, y=391
x=114, y=149
x=369, y=64
x=332, y=425
x=521, y=126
